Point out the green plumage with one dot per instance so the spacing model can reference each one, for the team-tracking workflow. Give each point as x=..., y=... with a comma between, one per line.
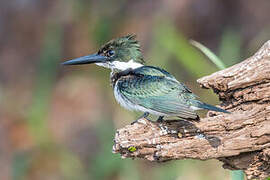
x=126, y=48
x=157, y=90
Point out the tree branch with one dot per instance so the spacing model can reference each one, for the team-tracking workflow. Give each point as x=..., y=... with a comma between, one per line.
x=241, y=139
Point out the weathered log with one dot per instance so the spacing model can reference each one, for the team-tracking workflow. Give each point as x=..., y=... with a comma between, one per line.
x=241, y=139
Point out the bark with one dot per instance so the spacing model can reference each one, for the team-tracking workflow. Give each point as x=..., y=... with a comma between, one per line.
x=241, y=140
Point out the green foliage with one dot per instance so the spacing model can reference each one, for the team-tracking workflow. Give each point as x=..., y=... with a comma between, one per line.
x=175, y=43
x=20, y=165
x=230, y=46
x=105, y=163
x=102, y=30
x=44, y=82
x=132, y=149
x=70, y=165
x=209, y=54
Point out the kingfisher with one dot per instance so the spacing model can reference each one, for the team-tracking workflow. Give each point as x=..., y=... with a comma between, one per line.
x=136, y=86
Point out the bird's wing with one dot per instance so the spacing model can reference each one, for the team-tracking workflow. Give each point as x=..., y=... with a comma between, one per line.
x=158, y=93
x=155, y=71
x=152, y=71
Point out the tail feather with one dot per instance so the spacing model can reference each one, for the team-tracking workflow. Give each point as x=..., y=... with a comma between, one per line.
x=210, y=107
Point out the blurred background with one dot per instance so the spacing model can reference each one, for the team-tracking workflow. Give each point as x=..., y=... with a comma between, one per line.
x=59, y=122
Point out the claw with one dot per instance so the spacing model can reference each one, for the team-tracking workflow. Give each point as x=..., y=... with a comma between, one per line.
x=145, y=115
x=160, y=119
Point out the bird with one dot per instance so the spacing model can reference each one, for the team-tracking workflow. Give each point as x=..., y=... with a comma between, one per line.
x=144, y=88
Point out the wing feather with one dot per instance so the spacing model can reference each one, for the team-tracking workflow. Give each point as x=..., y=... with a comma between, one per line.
x=157, y=92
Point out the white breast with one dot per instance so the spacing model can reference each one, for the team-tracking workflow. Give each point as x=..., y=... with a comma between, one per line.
x=124, y=102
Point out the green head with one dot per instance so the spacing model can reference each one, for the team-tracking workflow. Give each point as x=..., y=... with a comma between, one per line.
x=120, y=54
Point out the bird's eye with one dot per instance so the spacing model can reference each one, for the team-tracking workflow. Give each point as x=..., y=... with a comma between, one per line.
x=110, y=53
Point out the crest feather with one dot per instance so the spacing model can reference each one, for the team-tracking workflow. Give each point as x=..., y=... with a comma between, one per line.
x=126, y=47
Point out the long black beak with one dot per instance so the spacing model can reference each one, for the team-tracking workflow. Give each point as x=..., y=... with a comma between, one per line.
x=93, y=58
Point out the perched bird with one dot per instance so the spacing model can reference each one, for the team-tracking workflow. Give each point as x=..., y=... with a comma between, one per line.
x=144, y=88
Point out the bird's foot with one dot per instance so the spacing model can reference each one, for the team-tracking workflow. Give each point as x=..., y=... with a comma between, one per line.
x=143, y=116
x=160, y=119
x=197, y=119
